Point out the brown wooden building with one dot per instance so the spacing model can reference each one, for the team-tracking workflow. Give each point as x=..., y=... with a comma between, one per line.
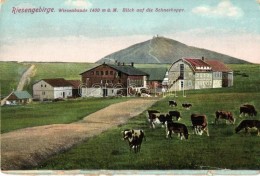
x=108, y=79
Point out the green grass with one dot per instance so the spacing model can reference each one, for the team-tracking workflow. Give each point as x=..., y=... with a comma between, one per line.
x=10, y=74
x=37, y=114
x=223, y=149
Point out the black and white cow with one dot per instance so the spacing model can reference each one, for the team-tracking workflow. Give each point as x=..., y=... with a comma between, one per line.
x=186, y=105
x=135, y=138
x=159, y=119
x=173, y=127
x=246, y=124
x=172, y=103
x=199, y=124
x=175, y=114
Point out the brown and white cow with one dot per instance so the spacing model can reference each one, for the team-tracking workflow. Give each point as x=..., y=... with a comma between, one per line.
x=199, y=124
x=173, y=127
x=224, y=115
x=246, y=124
x=134, y=138
x=248, y=109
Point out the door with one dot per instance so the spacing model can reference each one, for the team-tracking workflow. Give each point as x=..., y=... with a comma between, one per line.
x=63, y=94
x=104, y=92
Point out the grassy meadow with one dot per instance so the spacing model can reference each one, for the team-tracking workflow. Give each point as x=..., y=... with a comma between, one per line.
x=10, y=74
x=37, y=114
x=223, y=149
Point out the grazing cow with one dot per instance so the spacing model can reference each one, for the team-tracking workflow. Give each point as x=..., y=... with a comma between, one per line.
x=150, y=112
x=187, y=105
x=173, y=127
x=172, y=103
x=224, y=115
x=246, y=124
x=248, y=109
x=199, y=124
x=159, y=119
x=134, y=138
x=176, y=114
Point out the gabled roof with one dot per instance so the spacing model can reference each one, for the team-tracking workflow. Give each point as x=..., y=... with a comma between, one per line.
x=197, y=64
x=75, y=83
x=58, y=82
x=155, y=74
x=127, y=69
x=218, y=66
x=19, y=95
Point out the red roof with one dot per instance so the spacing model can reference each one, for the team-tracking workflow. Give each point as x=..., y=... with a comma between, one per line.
x=58, y=82
x=198, y=64
x=218, y=66
x=75, y=83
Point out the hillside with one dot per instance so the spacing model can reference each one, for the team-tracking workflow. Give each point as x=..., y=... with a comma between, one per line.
x=164, y=50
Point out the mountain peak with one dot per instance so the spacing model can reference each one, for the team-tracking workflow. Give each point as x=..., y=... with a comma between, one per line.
x=163, y=50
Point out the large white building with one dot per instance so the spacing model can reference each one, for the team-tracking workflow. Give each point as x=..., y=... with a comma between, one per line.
x=192, y=73
x=52, y=89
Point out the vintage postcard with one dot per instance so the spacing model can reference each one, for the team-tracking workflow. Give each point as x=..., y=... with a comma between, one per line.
x=130, y=87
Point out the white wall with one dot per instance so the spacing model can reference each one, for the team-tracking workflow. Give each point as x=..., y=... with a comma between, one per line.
x=62, y=92
x=43, y=90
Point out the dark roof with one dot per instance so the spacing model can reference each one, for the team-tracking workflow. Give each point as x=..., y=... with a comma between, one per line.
x=127, y=69
x=58, y=82
x=75, y=83
x=218, y=66
x=19, y=95
x=155, y=74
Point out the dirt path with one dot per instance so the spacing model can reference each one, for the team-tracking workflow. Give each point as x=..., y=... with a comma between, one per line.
x=28, y=147
x=25, y=78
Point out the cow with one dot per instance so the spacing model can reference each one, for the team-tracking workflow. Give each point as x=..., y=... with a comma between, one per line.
x=248, y=109
x=246, y=124
x=173, y=127
x=186, y=105
x=199, y=124
x=176, y=114
x=224, y=115
x=159, y=119
x=134, y=138
x=172, y=103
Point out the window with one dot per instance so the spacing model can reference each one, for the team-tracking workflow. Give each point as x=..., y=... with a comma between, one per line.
x=111, y=73
x=106, y=72
x=41, y=85
x=181, y=71
x=43, y=93
x=45, y=85
x=97, y=72
x=102, y=73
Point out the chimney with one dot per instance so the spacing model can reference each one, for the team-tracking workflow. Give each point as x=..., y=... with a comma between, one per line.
x=132, y=64
x=203, y=58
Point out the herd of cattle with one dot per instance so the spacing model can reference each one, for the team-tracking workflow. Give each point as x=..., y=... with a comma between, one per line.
x=199, y=123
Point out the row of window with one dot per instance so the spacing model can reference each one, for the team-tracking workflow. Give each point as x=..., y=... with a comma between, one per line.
x=102, y=73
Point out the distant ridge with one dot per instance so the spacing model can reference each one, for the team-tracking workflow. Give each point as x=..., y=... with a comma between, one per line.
x=164, y=50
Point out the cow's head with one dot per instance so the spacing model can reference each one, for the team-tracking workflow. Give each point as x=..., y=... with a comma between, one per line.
x=127, y=134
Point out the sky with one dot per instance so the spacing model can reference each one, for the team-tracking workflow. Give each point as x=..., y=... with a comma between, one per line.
x=230, y=27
